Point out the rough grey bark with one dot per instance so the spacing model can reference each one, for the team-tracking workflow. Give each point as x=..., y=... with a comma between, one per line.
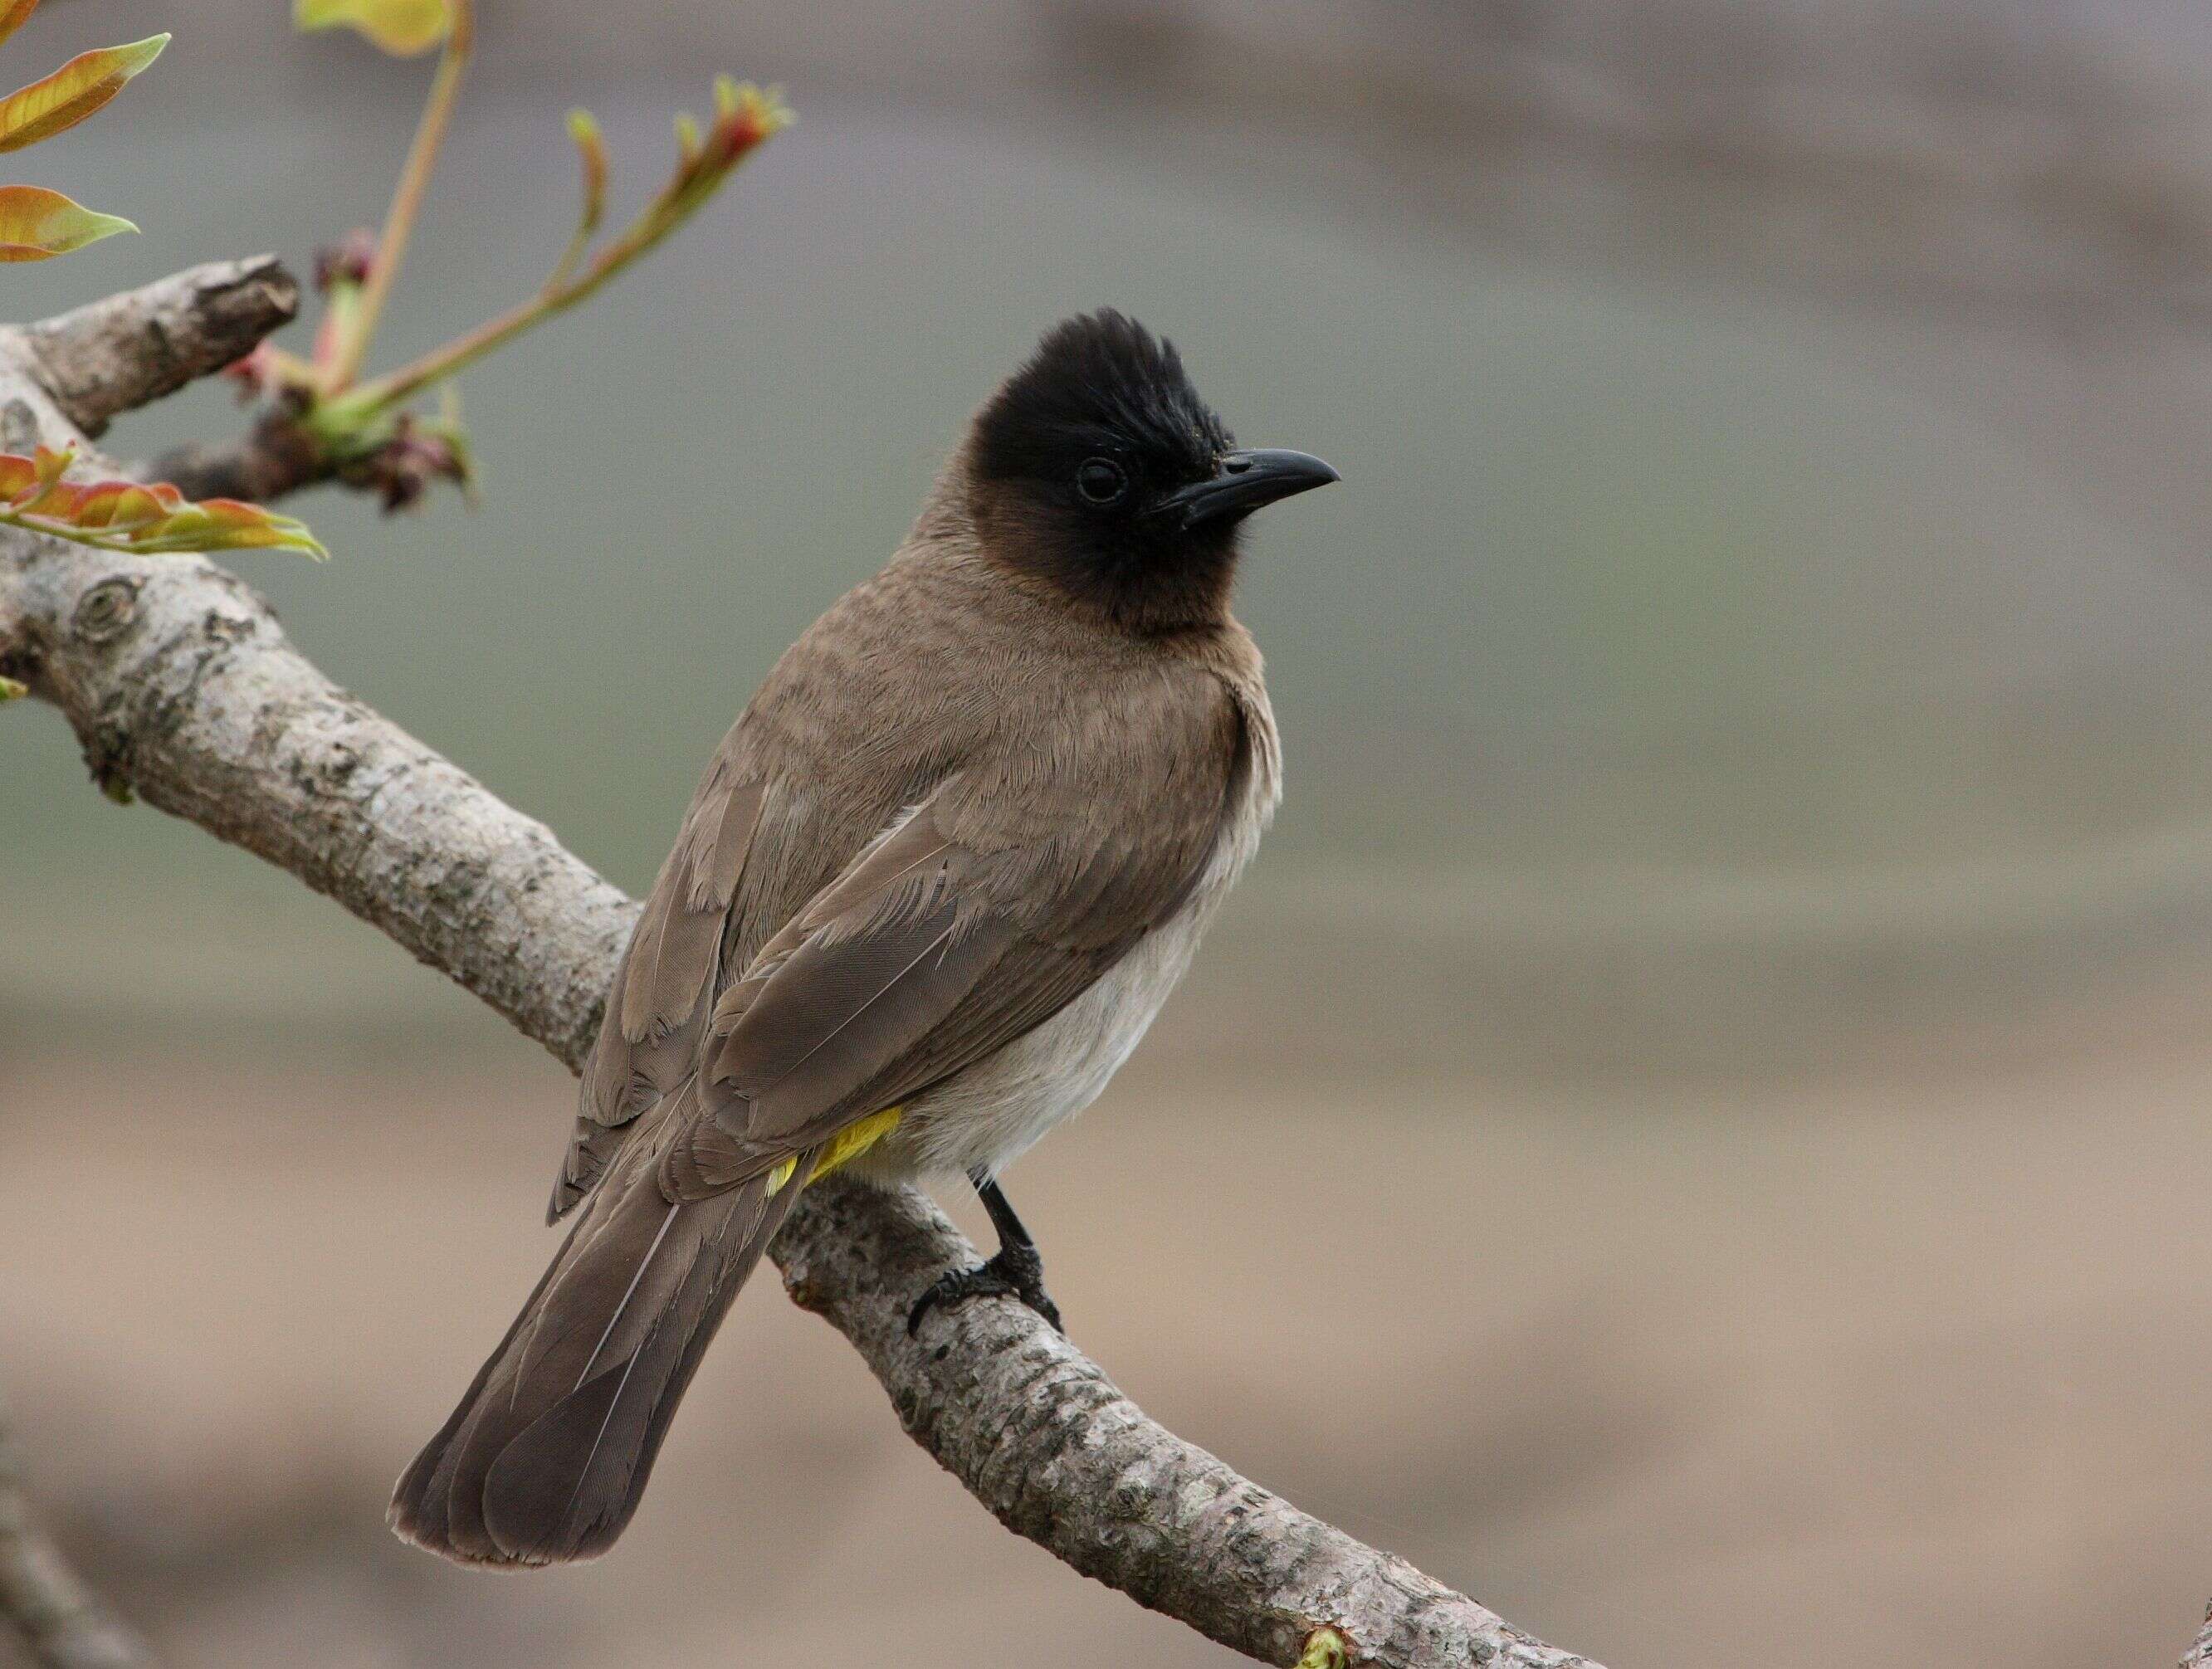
x=116, y=355
x=184, y=691
x=1039, y=1435
x=58, y=1615
x=2199, y=1655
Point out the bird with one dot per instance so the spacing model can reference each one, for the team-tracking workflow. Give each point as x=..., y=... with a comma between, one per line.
x=931, y=889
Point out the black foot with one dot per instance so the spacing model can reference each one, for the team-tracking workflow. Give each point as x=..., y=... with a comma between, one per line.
x=1016, y=1272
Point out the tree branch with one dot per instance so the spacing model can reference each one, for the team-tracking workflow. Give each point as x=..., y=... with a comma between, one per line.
x=273, y=457
x=2199, y=1655
x=58, y=1615
x=182, y=687
x=128, y=350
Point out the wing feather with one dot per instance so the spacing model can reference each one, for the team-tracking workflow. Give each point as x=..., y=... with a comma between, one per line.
x=972, y=917
x=658, y=1006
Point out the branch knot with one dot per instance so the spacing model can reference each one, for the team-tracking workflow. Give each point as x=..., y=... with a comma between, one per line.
x=106, y=612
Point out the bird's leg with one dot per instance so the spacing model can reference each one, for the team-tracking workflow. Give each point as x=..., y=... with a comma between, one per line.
x=1015, y=1271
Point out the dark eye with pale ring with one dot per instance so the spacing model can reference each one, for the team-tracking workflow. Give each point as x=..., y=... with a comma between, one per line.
x=1100, y=481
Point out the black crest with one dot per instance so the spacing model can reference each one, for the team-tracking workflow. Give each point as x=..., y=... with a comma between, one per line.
x=1100, y=383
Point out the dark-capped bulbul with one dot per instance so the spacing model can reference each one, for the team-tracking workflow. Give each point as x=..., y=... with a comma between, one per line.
x=933, y=887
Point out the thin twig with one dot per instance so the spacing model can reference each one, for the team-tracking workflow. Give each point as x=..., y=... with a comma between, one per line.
x=748, y=119
x=273, y=457
x=63, y=1622
x=406, y=199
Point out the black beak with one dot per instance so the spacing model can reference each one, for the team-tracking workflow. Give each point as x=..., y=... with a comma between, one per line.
x=1243, y=481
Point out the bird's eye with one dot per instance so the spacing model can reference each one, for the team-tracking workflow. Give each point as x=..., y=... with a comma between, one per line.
x=1100, y=481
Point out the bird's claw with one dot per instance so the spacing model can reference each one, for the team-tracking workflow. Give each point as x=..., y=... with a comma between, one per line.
x=1016, y=1271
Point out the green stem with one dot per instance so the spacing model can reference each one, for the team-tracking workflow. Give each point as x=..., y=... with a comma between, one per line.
x=745, y=118
x=465, y=349
x=406, y=200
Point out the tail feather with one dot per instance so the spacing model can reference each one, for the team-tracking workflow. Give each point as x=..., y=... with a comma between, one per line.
x=564, y=1487
x=546, y=1457
x=418, y=1511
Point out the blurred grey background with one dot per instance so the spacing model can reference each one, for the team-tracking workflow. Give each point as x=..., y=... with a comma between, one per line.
x=1690, y=1132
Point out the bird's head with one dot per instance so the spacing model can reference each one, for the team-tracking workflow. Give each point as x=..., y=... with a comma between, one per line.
x=1097, y=468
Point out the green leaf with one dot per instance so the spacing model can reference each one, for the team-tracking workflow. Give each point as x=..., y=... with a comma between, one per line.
x=403, y=28
x=10, y=690
x=73, y=91
x=36, y=223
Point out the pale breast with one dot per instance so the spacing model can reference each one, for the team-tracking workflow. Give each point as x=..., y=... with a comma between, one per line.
x=988, y=1115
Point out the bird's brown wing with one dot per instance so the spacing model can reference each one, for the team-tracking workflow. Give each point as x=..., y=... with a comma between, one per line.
x=663, y=992
x=981, y=915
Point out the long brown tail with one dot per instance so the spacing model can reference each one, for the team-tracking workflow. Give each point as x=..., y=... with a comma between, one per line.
x=546, y=1457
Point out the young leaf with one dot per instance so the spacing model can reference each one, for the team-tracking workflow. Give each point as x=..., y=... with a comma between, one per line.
x=12, y=13
x=36, y=223
x=592, y=152
x=127, y=515
x=402, y=27
x=73, y=91
x=220, y=524
x=592, y=149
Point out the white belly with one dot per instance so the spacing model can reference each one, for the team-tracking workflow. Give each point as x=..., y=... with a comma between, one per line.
x=990, y=1113
x=988, y=1116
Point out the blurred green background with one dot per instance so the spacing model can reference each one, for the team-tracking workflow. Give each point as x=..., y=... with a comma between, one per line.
x=1734, y=950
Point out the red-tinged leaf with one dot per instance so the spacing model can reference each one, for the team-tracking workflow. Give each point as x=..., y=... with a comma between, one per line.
x=73, y=91
x=56, y=502
x=136, y=507
x=403, y=28
x=227, y=525
x=36, y=223
x=12, y=13
x=224, y=523
x=187, y=519
x=247, y=525
x=70, y=502
x=746, y=116
x=129, y=515
x=234, y=512
x=116, y=506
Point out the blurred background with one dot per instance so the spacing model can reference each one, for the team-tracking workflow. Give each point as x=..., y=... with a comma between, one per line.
x=1735, y=958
